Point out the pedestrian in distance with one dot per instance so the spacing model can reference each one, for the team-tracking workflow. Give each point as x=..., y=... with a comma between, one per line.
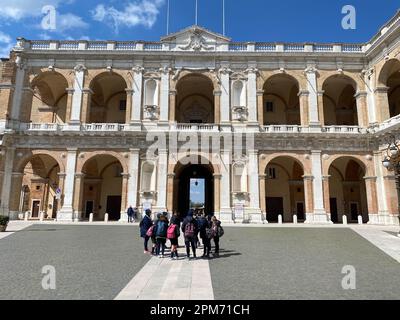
x=145, y=226
x=190, y=229
x=207, y=234
x=218, y=233
x=161, y=231
x=135, y=214
x=173, y=234
x=130, y=213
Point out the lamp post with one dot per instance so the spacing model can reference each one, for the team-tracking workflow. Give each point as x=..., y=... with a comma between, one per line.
x=392, y=163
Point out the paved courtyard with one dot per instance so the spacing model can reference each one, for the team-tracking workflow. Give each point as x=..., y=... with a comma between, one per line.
x=272, y=262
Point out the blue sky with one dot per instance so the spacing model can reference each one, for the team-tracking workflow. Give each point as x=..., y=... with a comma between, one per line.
x=197, y=192
x=249, y=20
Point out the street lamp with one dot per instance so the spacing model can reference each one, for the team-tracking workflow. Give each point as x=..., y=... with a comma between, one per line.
x=392, y=163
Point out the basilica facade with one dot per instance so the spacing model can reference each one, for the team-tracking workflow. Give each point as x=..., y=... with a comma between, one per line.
x=275, y=132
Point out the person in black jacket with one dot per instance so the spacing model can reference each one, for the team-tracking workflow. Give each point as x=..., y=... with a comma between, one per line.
x=130, y=213
x=190, y=229
x=145, y=225
x=174, y=240
x=161, y=230
x=205, y=236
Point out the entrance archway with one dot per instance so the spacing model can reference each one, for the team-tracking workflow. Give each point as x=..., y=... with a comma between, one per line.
x=194, y=188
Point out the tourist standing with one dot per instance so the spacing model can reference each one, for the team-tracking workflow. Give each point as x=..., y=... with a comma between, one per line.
x=130, y=213
x=145, y=225
x=218, y=233
x=190, y=229
x=173, y=235
x=161, y=230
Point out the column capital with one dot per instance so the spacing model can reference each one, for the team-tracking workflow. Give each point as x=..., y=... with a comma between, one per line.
x=70, y=150
x=303, y=93
x=217, y=175
x=70, y=90
x=321, y=93
x=361, y=94
x=316, y=152
x=381, y=89
x=262, y=176
x=129, y=91
x=173, y=92
x=370, y=178
x=125, y=175
x=308, y=178
x=260, y=92
x=87, y=91
x=171, y=175
x=61, y=174
x=79, y=175
x=134, y=150
x=217, y=93
x=326, y=178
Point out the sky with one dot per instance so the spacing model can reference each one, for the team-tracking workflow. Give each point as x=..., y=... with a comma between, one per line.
x=246, y=20
x=197, y=192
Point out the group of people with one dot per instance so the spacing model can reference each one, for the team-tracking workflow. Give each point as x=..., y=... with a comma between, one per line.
x=193, y=227
x=132, y=214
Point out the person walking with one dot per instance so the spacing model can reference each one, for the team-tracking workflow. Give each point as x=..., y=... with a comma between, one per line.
x=190, y=228
x=130, y=213
x=218, y=233
x=145, y=226
x=173, y=234
x=161, y=230
x=206, y=234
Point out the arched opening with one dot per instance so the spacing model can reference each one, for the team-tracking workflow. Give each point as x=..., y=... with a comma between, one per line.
x=239, y=94
x=102, y=188
x=40, y=186
x=284, y=190
x=195, y=100
x=347, y=190
x=49, y=101
x=390, y=77
x=193, y=188
x=108, y=99
x=148, y=177
x=340, y=107
x=281, y=103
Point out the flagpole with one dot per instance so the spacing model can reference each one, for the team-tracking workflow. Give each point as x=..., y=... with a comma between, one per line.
x=223, y=17
x=168, y=12
x=196, y=12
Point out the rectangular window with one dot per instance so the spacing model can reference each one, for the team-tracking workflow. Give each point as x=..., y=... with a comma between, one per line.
x=269, y=106
x=122, y=105
x=271, y=173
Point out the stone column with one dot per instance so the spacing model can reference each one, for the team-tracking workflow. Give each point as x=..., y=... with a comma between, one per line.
x=170, y=192
x=260, y=107
x=7, y=181
x=67, y=211
x=19, y=86
x=217, y=198
x=78, y=197
x=86, y=105
x=252, y=96
x=369, y=79
x=392, y=200
x=162, y=173
x=136, y=107
x=319, y=215
x=262, y=178
x=304, y=113
x=172, y=105
x=77, y=98
x=382, y=103
x=15, y=195
x=321, y=107
x=311, y=74
x=217, y=106
x=129, y=99
x=308, y=196
x=124, y=198
x=164, y=97
x=132, y=182
x=325, y=185
x=362, y=112
x=70, y=96
x=225, y=99
x=61, y=180
x=370, y=187
x=382, y=201
x=225, y=187
x=254, y=187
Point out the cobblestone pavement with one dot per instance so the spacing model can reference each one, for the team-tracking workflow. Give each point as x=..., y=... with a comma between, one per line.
x=101, y=261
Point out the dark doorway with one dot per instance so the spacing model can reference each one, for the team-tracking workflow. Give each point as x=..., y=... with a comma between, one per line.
x=334, y=213
x=114, y=207
x=274, y=208
x=89, y=208
x=35, y=209
x=300, y=211
x=193, y=173
x=354, y=211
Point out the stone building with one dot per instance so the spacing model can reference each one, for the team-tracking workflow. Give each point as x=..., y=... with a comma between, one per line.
x=77, y=119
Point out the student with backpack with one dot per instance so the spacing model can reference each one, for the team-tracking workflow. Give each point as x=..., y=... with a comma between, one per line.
x=145, y=225
x=161, y=235
x=173, y=234
x=218, y=233
x=208, y=234
x=190, y=229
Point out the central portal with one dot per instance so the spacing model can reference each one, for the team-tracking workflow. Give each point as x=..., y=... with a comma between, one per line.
x=194, y=189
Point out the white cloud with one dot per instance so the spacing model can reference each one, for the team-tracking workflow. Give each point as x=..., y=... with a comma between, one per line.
x=6, y=44
x=141, y=12
x=69, y=21
x=19, y=9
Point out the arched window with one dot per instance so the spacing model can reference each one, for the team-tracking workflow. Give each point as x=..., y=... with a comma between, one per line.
x=151, y=93
x=239, y=177
x=148, y=181
x=239, y=94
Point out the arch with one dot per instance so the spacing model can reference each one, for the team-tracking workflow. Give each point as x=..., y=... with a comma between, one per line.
x=274, y=158
x=339, y=102
x=347, y=189
x=388, y=69
x=202, y=158
x=206, y=74
x=281, y=103
x=21, y=163
x=87, y=156
x=365, y=164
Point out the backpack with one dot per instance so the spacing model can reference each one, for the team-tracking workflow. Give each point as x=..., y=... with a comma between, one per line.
x=149, y=232
x=189, y=230
x=220, y=231
x=171, y=232
x=210, y=233
x=161, y=229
